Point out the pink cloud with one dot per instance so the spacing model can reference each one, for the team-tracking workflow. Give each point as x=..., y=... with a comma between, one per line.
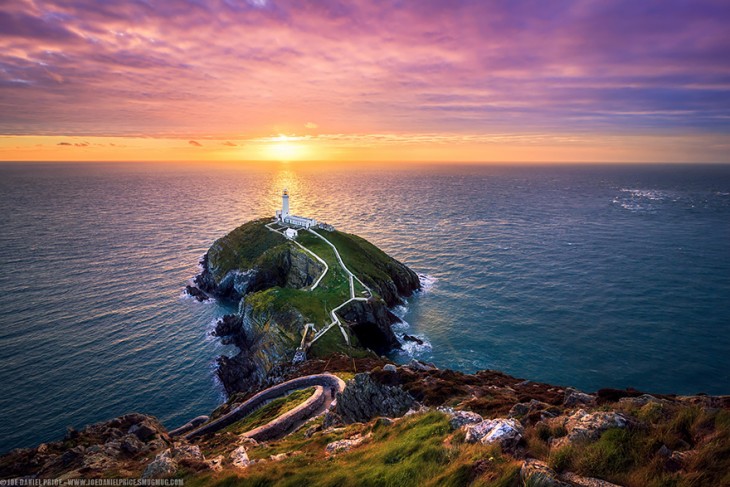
x=189, y=69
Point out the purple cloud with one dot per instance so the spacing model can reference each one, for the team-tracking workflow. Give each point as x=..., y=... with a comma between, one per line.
x=194, y=68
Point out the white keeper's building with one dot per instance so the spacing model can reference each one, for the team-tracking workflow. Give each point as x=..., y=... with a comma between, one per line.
x=286, y=218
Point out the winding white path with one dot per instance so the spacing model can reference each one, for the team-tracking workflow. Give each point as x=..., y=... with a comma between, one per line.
x=326, y=267
x=351, y=278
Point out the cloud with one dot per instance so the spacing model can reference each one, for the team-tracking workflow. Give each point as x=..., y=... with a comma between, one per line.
x=195, y=143
x=229, y=143
x=64, y=143
x=362, y=67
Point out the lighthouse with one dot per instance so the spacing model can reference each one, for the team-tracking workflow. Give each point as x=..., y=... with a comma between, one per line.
x=285, y=204
x=288, y=219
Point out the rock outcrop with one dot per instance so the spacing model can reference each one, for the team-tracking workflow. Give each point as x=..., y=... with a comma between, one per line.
x=370, y=322
x=538, y=473
x=459, y=419
x=505, y=432
x=118, y=444
x=587, y=426
x=364, y=399
x=252, y=264
x=167, y=463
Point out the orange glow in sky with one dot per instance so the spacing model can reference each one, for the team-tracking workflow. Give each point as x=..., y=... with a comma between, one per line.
x=450, y=81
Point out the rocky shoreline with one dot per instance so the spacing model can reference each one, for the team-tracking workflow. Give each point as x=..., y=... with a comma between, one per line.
x=541, y=433
x=415, y=424
x=262, y=356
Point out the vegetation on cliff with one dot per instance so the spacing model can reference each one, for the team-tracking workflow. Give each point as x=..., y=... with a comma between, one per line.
x=290, y=290
x=564, y=437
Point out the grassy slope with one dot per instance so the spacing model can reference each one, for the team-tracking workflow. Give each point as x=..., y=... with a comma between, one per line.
x=253, y=244
x=419, y=449
x=363, y=259
x=242, y=246
x=410, y=452
x=274, y=409
x=315, y=305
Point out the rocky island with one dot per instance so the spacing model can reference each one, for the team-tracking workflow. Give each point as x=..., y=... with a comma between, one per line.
x=287, y=292
x=314, y=400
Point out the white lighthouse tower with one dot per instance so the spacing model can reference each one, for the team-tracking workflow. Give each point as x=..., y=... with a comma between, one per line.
x=287, y=218
x=285, y=204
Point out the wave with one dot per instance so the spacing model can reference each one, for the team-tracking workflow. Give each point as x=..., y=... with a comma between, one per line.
x=650, y=194
x=184, y=296
x=410, y=349
x=427, y=283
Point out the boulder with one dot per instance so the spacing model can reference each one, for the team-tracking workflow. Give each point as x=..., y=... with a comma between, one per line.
x=131, y=445
x=580, y=481
x=341, y=446
x=582, y=425
x=167, y=463
x=537, y=473
x=196, y=293
x=421, y=366
x=144, y=430
x=364, y=399
x=163, y=466
x=506, y=432
x=639, y=401
x=457, y=419
x=411, y=338
x=574, y=397
x=239, y=458
x=534, y=410
x=390, y=368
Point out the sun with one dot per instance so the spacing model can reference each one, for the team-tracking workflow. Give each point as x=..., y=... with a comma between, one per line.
x=285, y=148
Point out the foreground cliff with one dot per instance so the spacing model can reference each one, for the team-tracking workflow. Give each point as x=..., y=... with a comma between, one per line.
x=416, y=425
x=287, y=293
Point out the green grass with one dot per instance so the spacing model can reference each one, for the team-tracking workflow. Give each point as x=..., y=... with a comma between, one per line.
x=411, y=452
x=271, y=411
x=242, y=246
x=333, y=342
x=363, y=259
x=315, y=306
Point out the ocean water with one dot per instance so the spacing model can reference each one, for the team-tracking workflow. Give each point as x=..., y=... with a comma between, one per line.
x=591, y=276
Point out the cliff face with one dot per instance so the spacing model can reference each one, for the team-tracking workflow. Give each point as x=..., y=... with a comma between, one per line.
x=271, y=278
x=370, y=322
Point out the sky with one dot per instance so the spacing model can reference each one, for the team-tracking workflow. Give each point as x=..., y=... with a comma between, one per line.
x=360, y=80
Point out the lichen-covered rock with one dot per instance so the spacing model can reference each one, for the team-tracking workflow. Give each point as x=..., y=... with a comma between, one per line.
x=457, y=418
x=580, y=481
x=364, y=399
x=167, y=463
x=131, y=445
x=582, y=425
x=506, y=432
x=163, y=466
x=533, y=411
x=341, y=446
x=574, y=397
x=421, y=366
x=639, y=401
x=536, y=473
x=239, y=458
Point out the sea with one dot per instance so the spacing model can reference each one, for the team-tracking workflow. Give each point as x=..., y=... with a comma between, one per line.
x=590, y=276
